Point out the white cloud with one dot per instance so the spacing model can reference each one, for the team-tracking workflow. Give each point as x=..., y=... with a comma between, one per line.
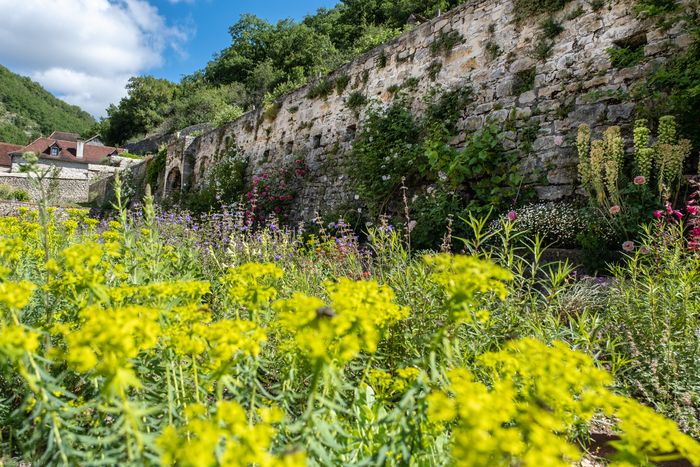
x=84, y=50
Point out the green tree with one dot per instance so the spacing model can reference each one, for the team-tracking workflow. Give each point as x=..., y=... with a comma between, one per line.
x=141, y=111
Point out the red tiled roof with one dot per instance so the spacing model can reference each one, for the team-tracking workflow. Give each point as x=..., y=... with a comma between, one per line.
x=64, y=136
x=67, y=151
x=5, y=150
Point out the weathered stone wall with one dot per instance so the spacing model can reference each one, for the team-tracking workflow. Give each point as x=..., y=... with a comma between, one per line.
x=101, y=191
x=65, y=189
x=574, y=84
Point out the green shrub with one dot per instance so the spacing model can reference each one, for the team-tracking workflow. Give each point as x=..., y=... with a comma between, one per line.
x=341, y=83
x=551, y=28
x=528, y=8
x=624, y=57
x=19, y=195
x=355, y=101
x=523, y=81
x=445, y=42
x=156, y=167
x=321, y=89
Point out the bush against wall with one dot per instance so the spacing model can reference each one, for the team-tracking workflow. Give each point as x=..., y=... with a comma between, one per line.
x=223, y=185
x=397, y=149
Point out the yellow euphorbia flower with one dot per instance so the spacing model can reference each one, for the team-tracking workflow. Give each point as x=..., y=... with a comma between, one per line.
x=226, y=438
x=358, y=315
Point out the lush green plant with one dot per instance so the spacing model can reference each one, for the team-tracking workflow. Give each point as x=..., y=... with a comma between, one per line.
x=223, y=186
x=387, y=150
x=156, y=167
x=227, y=114
x=321, y=89
x=523, y=81
x=624, y=57
x=445, y=42
x=341, y=83
x=673, y=89
x=551, y=28
x=355, y=101
x=528, y=8
x=8, y=192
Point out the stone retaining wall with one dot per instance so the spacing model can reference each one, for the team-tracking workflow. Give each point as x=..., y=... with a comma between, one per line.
x=576, y=83
x=64, y=189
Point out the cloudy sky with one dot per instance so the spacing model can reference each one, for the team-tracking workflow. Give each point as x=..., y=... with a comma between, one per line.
x=84, y=51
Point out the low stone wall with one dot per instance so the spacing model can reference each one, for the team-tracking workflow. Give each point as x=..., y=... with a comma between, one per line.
x=63, y=189
x=101, y=193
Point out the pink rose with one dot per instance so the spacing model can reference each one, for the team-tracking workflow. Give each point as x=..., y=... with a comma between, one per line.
x=640, y=180
x=512, y=215
x=615, y=210
x=628, y=246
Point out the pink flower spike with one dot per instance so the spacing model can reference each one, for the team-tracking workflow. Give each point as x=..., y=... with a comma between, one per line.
x=669, y=208
x=692, y=210
x=678, y=214
x=658, y=214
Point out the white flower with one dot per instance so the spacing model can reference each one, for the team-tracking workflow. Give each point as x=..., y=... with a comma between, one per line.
x=412, y=225
x=357, y=197
x=442, y=176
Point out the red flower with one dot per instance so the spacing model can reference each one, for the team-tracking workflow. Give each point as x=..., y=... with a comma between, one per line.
x=272, y=198
x=678, y=214
x=282, y=198
x=658, y=214
x=277, y=210
x=692, y=210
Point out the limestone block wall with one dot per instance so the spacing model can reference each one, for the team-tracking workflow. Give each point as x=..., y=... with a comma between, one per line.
x=576, y=83
x=67, y=189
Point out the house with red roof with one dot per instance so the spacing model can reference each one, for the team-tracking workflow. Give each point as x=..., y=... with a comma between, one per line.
x=5, y=159
x=66, y=151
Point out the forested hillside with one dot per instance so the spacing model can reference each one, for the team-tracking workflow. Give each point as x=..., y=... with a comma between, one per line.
x=263, y=62
x=27, y=110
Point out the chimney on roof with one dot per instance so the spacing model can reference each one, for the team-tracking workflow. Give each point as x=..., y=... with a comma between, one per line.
x=80, y=146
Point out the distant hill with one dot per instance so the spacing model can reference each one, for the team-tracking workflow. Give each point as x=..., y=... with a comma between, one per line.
x=27, y=110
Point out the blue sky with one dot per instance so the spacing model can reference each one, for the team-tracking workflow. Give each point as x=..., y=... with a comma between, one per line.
x=210, y=20
x=85, y=51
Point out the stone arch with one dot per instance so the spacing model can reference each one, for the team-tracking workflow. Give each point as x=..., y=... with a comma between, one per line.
x=173, y=182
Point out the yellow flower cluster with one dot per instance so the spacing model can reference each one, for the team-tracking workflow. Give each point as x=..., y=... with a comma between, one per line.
x=15, y=341
x=227, y=438
x=246, y=287
x=463, y=278
x=358, y=314
x=389, y=386
x=191, y=332
x=108, y=339
x=534, y=397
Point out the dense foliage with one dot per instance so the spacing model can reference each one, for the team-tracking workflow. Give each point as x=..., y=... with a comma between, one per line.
x=156, y=339
x=413, y=157
x=27, y=111
x=263, y=61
